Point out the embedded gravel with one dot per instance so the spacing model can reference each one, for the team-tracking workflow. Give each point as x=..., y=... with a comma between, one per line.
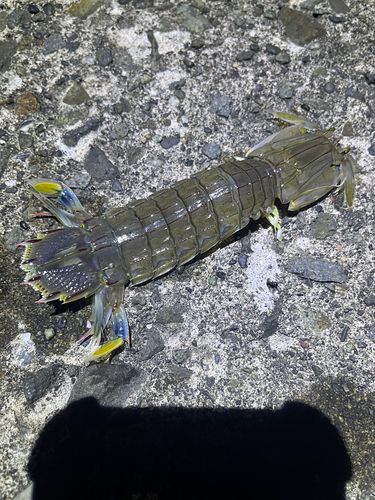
x=123, y=98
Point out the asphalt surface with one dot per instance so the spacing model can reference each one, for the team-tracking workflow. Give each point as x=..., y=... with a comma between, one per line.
x=122, y=99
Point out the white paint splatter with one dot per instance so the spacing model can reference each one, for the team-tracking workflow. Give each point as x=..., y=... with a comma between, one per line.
x=262, y=266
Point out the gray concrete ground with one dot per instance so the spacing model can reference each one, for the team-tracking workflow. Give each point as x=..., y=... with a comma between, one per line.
x=120, y=99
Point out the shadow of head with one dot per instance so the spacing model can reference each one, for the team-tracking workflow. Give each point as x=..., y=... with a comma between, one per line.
x=88, y=451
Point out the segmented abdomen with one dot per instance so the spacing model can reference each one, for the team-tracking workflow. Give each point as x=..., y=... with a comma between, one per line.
x=172, y=226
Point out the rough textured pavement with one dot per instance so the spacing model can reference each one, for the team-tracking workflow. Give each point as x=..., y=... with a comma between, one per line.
x=122, y=98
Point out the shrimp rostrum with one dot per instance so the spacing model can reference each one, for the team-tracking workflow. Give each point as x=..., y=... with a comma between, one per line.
x=147, y=238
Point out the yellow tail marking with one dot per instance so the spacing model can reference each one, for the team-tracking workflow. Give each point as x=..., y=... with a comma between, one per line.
x=51, y=188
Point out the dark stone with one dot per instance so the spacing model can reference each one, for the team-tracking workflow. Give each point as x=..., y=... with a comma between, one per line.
x=317, y=269
x=181, y=355
x=329, y=88
x=354, y=94
x=318, y=371
x=109, y=384
x=104, y=56
x=25, y=140
x=371, y=150
x=154, y=345
x=212, y=151
x=242, y=261
x=300, y=28
x=98, y=166
x=272, y=49
x=370, y=300
x=282, y=57
x=72, y=137
x=169, y=314
x=36, y=385
x=18, y=17
x=169, y=142
x=323, y=226
x=270, y=324
x=5, y=153
x=76, y=95
x=49, y=9
x=123, y=106
x=33, y=9
x=245, y=55
x=370, y=77
x=117, y=186
x=336, y=19
x=197, y=43
x=72, y=46
x=53, y=43
x=180, y=94
x=347, y=130
x=188, y=63
x=7, y=51
x=177, y=85
x=220, y=105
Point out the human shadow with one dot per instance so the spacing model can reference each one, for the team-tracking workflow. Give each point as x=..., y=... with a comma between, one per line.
x=91, y=452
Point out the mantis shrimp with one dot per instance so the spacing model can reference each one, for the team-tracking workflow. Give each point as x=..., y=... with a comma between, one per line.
x=149, y=237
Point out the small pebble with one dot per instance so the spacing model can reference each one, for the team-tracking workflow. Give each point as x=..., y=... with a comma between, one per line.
x=349, y=347
x=270, y=14
x=371, y=150
x=212, y=151
x=117, y=186
x=221, y=275
x=33, y=9
x=285, y=91
x=49, y=9
x=272, y=49
x=370, y=300
x=180, y=94
x=169, y=142
x=188, y=63
x=49, y=333
x=344, y=333
x=272, y=284
x=242, y=261
x=282, y=57
x=212, y=281
x=245, y=55
x=329, y=88
x=336, y=19
x=197, y=43
x=104, y=56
